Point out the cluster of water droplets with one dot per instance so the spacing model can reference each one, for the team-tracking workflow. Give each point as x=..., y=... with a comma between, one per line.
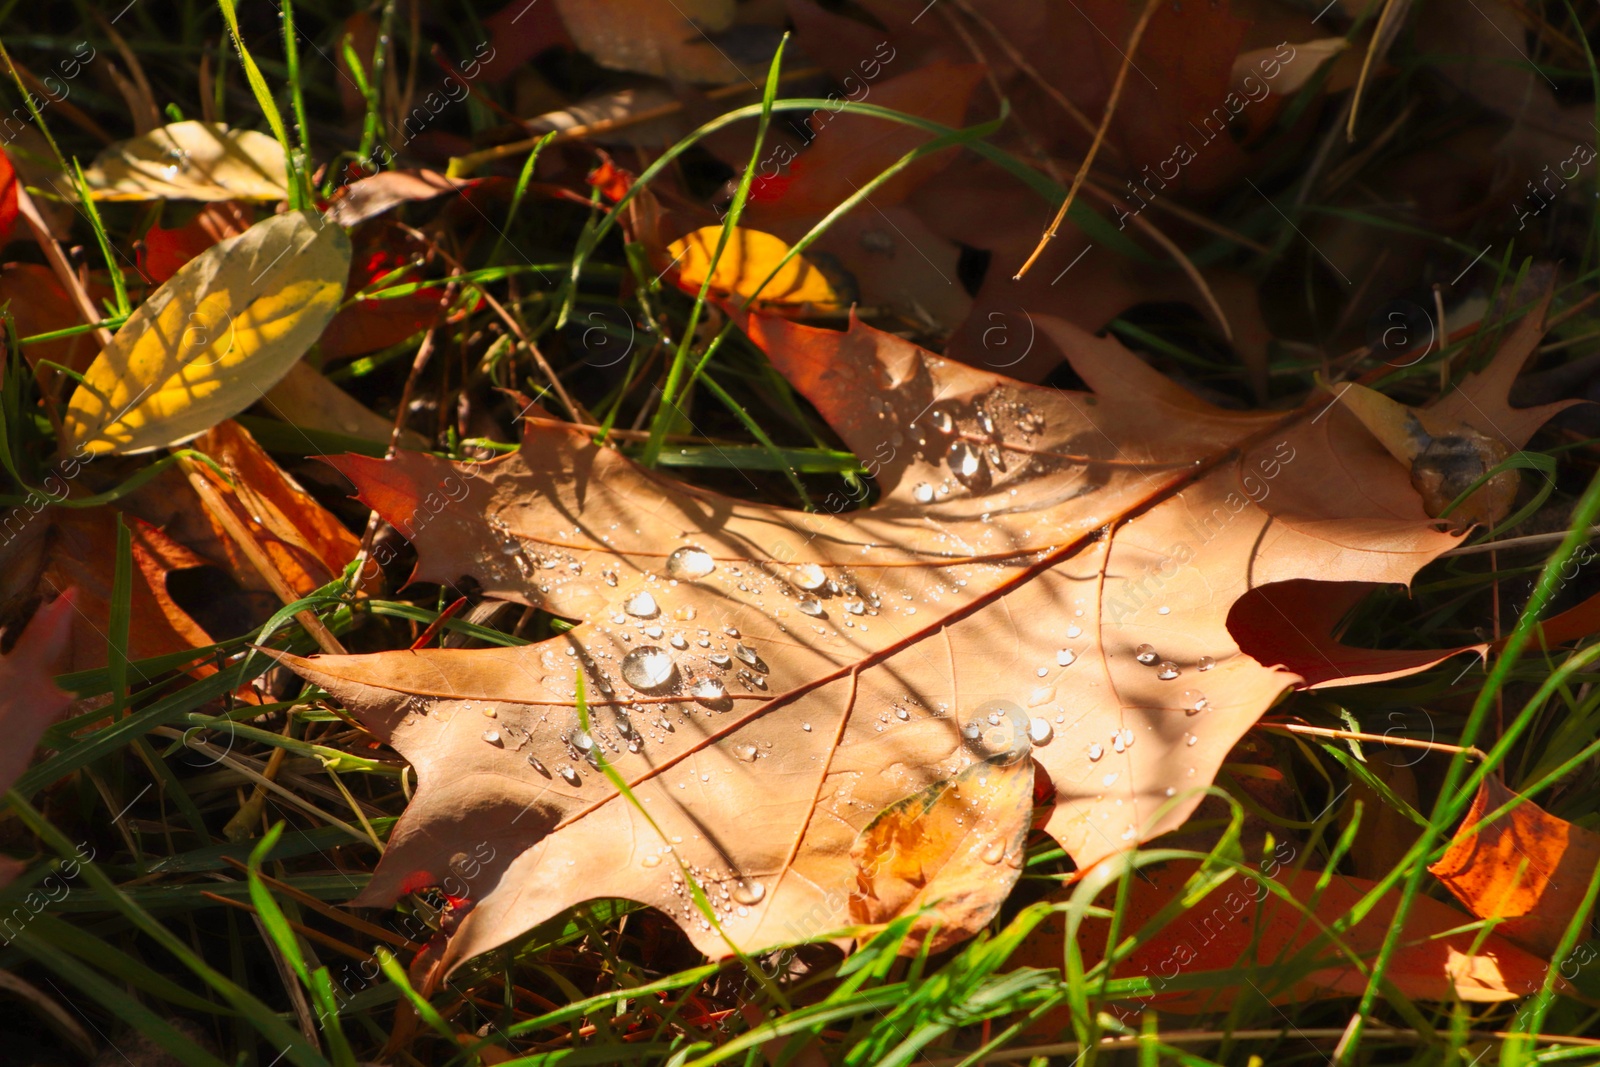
x=998, y=730
x=973, y=448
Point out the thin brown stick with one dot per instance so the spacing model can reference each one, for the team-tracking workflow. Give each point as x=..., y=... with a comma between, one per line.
x=1194, y=218
x=59, y=265
x=1099, y=137
x=1377, y=739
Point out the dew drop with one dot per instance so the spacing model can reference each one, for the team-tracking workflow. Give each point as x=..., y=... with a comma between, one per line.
x=569, y=775
x=1074, y=630
x=994, y=853
x=641, y=605
x=1095, y=751
x=1145, y=654
x=1206, y=663
x=1163, y=610
x=650, y=860
x=1191, y=739
x=748, y=891
x=998, y=729
x=689, y=562
x=648, y=669
x=1040, y=731
x=811, y=606
x=985, y=423
x=492, y=736
x=745, y=752
x=1167, y=671
x=710, y=692
x=964, y=460
x=1065, y=657
x=806, y=727
x=581, y=741
x=720, y=660
x=855, y=607
x=746, y=654
x=922, y=493
x=654, y=632
x=810, y=577
x=1193, y=701
x=533, y=761
x=678, y=642
x=1042, y=672
x=941, y=420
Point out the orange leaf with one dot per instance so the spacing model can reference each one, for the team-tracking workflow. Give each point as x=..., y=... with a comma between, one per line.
x=305, y=542
x=1527, y=868
x=167, y=250
x=8, y=198
x=1243, y=923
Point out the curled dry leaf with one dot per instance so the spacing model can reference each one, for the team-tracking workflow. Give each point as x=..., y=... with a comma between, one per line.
x=370, y=197
x=212, y=339
x=749, y=257
x=1445, y=458
x=643, y=36
x=1309, y=57
x=1527, y=868
x=1243, y=923
x=306, y=544
x=191, y=160
x=769, y=681
x=30, y=701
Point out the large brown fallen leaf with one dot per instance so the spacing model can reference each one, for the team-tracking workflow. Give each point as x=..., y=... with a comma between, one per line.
x=1243, y=923
x=1529, y=868
x=1042, y=564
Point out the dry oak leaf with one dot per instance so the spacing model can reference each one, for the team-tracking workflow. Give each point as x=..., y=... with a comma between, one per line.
x=1051, y=567
x=1528, y=868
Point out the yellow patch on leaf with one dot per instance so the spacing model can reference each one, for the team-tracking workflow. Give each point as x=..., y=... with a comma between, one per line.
x=746, y=261
x=212, y=339
x=943, y=847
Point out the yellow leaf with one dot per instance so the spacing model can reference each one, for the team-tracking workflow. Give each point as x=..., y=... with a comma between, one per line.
x=191, y=161
x=209, y=342
x=745, y=263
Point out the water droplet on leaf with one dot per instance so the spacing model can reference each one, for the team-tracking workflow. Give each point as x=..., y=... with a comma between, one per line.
x=689, y=562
